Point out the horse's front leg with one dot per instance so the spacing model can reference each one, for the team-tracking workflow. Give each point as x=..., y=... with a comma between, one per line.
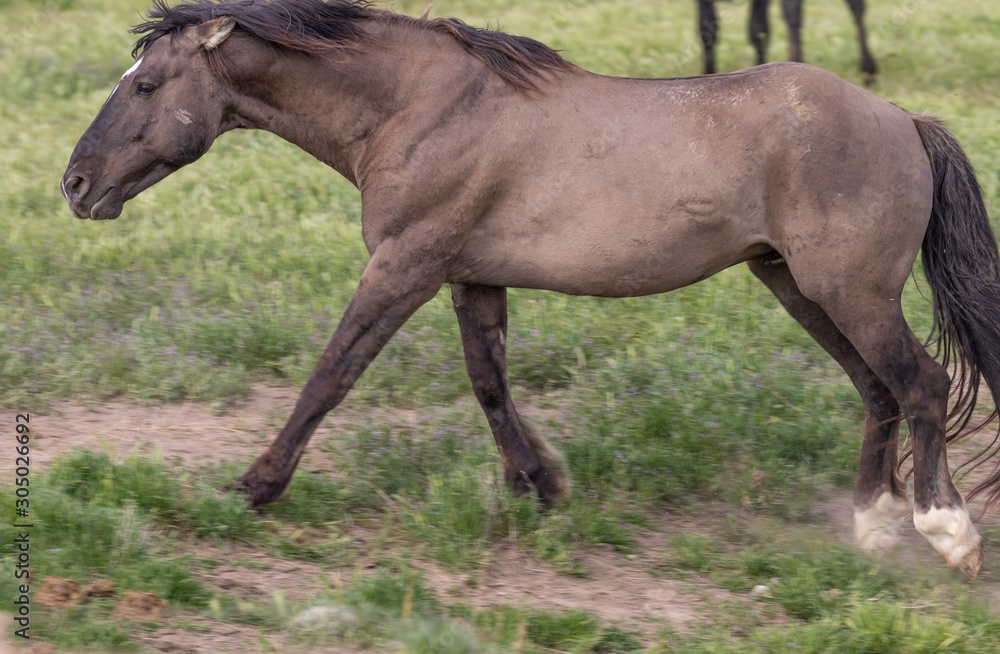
x=528, y=461
x=393, y=286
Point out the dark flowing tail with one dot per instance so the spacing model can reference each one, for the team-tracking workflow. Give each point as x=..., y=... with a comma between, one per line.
x=963, y=268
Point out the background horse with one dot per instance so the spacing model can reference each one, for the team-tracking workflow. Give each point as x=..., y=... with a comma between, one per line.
x=486, y=160
x=760, y=31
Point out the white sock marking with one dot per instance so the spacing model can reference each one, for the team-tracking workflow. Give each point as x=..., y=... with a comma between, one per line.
x=950, y=532
x=877, y=528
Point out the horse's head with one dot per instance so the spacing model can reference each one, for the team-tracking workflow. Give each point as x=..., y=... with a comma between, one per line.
x=164, y=113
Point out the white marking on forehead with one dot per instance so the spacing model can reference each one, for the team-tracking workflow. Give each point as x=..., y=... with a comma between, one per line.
x=134, y=67
x=128, y=72
x=184, y=116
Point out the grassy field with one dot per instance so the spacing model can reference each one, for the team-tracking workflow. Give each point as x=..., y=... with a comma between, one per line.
x=236, y=270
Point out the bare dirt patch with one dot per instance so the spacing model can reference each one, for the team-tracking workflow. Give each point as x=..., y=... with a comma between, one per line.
x=618, y=588
x=189, y=433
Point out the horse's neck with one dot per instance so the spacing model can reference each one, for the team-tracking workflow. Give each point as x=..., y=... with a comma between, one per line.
x=330, y=107
x=305, y=101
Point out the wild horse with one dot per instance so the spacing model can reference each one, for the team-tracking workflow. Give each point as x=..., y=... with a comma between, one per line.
x=760, y=31
x=486, y=160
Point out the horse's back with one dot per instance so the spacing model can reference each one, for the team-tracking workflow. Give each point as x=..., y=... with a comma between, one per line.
x=634, y=186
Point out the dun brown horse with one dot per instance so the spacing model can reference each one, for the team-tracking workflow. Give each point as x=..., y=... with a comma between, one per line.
x=486, y=160
x=760, y=31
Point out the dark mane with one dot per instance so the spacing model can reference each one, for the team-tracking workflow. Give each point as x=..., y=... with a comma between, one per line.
x=317, y=27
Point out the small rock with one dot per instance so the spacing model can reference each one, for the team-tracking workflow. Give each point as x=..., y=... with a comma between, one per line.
x=759, y=590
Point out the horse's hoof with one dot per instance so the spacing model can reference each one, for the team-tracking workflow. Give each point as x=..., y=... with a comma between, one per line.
x=256, y=490
x=877, y=528
x=953, y=535
x=552, y=488
x=972, y=562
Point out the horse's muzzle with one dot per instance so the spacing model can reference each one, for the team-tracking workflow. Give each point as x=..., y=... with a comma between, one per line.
x=76, y=188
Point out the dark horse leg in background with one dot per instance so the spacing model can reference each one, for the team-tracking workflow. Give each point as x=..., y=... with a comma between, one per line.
x=528, y=461
x=760, y=31
x=792, y=11
x=708, y=27
x=867, y=60
x=880, y=501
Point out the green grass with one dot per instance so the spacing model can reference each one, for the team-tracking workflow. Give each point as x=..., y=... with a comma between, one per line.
x=832, y=599
x=107, y=519
x=237, y=269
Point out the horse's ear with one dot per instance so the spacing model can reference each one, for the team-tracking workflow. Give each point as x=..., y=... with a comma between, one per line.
x=210, y=35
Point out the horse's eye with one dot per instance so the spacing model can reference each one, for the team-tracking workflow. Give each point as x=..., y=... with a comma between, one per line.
x=145, y=89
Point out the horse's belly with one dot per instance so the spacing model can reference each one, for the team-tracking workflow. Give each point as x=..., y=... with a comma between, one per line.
x=615, y=257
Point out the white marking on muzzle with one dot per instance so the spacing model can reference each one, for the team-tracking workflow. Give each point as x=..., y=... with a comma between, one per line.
x=184, y=116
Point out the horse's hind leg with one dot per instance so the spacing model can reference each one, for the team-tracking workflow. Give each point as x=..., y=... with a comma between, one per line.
x=869, y=315
x=880, y=502
x=528, y=461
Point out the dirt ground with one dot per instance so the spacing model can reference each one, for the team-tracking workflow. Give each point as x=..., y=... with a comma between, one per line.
x=618, y=587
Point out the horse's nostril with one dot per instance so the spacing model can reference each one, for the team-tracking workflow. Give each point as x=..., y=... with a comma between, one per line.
x=75, y=187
